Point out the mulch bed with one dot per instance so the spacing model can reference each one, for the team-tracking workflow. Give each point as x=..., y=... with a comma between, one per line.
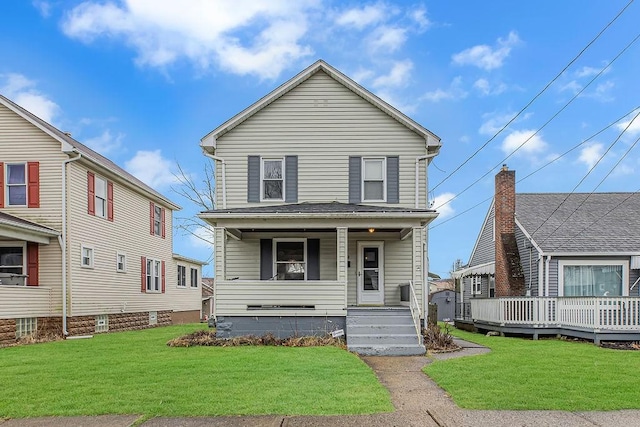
x=621, y=345
x=209, y=339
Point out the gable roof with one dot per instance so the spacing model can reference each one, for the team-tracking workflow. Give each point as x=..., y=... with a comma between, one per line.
x=14, y=227
x=604, y=223
x=70, y=145
x=432, y=141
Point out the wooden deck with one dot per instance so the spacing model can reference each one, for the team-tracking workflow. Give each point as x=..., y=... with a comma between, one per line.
x=597, y=318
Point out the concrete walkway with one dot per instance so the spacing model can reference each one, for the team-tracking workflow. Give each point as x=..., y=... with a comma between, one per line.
x=417, y=399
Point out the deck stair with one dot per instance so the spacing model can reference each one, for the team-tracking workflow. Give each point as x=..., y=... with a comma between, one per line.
x=382, y=331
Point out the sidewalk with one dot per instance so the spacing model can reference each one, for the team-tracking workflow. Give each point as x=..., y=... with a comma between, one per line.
x=417, y=399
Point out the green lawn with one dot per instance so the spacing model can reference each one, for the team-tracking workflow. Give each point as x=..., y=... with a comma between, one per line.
x=136, y=373
x=544, y=374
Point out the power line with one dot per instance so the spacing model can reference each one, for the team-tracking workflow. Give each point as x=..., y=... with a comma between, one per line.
x=575, y=147
x=585, y=177
x=635, y=39
x=536, y=96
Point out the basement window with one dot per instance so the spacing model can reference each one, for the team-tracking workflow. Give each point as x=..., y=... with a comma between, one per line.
x=26, y=326
x=102, y=323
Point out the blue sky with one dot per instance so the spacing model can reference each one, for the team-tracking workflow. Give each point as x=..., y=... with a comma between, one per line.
x=142, y=81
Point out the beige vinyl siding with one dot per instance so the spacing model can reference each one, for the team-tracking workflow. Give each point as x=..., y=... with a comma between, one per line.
x=323, y=123
x=21, y=142
x=27, y=301
x=397, y=265
x=102, y=290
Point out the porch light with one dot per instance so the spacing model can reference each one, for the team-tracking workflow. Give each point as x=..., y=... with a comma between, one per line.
x=371, y=230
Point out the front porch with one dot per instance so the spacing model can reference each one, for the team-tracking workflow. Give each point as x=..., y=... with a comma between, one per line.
x=596, y=318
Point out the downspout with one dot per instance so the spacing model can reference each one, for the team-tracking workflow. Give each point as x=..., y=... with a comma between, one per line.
x=63, y=242
x=224, y=176
x=541, y=275
x=418, y=159
x=546, y=275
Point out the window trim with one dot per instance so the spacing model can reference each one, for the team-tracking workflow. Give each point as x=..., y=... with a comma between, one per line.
x=476, y=285
x=284, y=191
x=363, y=180
x=191, y=275
x=124, y=262
x=15, y=244
x=594, y=262
x=183, y=276
x=91, y=257
x=8, y=185
x=275, y=256
x=150, y=288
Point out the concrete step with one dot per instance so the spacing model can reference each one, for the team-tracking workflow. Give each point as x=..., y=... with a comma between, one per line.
x=381, y=329
x=389, y=340
x=382, y=311
x=388, y=350
x=380, y=320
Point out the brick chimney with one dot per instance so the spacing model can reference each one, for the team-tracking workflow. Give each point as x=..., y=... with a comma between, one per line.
x=509, y=274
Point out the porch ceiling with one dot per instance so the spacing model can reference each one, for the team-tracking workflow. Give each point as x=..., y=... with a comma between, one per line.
x=14, y=228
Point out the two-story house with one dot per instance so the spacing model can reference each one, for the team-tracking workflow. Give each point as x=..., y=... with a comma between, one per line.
x=321, y=215
x=85, y=247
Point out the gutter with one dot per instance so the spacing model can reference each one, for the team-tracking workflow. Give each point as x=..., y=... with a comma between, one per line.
x=418, y=159
x=63, y=241
x=224, y=175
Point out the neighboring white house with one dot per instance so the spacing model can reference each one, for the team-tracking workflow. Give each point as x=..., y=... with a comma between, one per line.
x=321, y=207
x=85, y=247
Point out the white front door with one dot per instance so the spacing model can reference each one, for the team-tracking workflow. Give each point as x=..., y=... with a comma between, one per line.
x=370, y=273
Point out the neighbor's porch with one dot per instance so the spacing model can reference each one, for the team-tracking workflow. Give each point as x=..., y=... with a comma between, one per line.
x=597, y=318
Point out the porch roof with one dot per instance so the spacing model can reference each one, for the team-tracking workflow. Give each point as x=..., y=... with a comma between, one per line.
x=477, y=270
x=319, y=210
x=13, y=227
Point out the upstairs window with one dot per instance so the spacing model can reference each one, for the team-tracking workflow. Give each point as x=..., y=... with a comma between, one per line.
x=476, y=285
x=99, y=196
x=17, y=184
x=194, y=277
x=272, y=179
x=373, y=179
x=290, y=259
x=157, y=220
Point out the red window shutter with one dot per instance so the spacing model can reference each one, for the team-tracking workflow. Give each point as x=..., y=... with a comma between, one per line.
x=110, y=201
x=1, y=185
x=32, y=264
x=91, y=193
x=163, y=281
x=151, y=215
x=162, y=223
x=143, y=274
x=33, y=184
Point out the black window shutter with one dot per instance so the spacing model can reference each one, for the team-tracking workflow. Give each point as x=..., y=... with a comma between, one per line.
x=313, y=262
x=393, y=180
x=253, y=178
x=291, y=179
x=266, y=259
x=355, y=164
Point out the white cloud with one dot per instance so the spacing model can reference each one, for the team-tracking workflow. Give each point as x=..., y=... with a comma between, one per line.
x=388, y=39
x=43, y=7
x=572, y=86
x=493, y=122
x=603, y=91
x=632, y=124
x=398, y=102
x=590, y=154
x=419, y=15
x=152, y=169
x=398, y=76
x=204, y=32
x=442, y=204
x=105, y=143
x=590, y=71
x=452, y=93
x=360, y=18
x=22, y=91
x=487, y=57
x=485, y=88
x=533, y=144
x=202, y=237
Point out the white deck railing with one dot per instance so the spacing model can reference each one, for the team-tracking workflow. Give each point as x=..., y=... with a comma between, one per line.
x=610, y=313
x=415, y=310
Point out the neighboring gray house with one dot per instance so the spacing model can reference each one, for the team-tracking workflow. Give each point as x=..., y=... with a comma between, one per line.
x=572, y=259
x=445, y=300
x=321, y=214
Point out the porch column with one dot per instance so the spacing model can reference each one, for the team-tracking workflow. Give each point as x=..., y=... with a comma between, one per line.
x=418, y=257
x=219, y=252
x=342, y=251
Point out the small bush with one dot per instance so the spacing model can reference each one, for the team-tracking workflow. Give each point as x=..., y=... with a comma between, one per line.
x=208, y=338
x=438, y=339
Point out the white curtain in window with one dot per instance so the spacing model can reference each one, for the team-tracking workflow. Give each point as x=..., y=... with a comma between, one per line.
x=592, y=280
